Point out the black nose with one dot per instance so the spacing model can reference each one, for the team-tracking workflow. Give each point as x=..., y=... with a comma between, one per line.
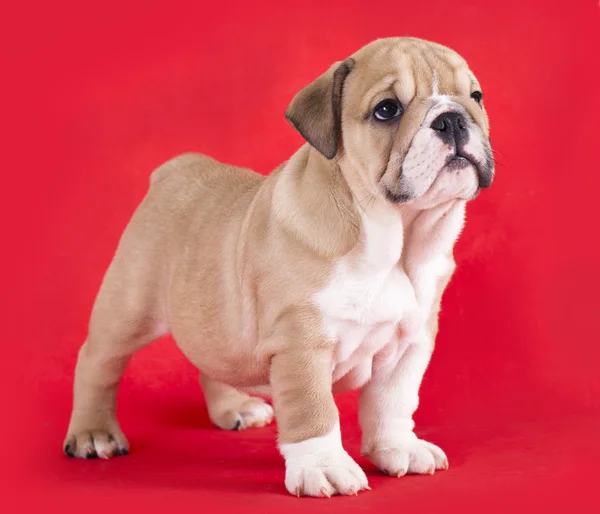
x=451, y=127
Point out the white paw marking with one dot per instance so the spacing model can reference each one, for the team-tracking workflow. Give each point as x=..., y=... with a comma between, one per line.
x=321, y=467
x=412, y=455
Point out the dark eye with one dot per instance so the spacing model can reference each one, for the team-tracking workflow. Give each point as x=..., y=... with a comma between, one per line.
x=387, y=110
x=477, y=96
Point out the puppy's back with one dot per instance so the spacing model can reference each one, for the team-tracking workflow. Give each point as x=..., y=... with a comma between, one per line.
x=191, y=174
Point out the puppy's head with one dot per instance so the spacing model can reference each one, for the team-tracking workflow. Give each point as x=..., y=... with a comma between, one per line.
x=408, y=114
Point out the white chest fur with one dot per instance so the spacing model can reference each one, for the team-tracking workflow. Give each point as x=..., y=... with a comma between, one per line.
x=381, y=292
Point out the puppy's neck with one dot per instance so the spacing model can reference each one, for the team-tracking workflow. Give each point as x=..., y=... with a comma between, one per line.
x=327, y=207
x=314, y=204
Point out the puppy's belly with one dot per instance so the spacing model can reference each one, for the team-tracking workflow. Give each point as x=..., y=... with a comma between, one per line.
x=235, y=363
x=223, y=347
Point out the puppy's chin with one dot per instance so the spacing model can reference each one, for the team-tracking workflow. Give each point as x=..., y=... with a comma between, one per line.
x=457, y=180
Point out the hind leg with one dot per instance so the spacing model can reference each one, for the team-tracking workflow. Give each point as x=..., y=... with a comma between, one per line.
x=128, y=314
x=94, y=430
x=231, y=409
x=117, y=331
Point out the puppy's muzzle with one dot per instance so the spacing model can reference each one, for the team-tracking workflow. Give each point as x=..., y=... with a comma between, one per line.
x=453, y=129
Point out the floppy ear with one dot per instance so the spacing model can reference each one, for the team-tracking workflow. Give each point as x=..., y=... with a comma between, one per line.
x=316, y=110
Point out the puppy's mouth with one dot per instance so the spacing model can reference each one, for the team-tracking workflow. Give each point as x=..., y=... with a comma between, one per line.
x=454, y=163
x=458, y=162
x=461, y=160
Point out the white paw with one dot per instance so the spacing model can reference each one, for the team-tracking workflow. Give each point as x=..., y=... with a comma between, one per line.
x=324, y=474
x=410, y=455
x=321, y=467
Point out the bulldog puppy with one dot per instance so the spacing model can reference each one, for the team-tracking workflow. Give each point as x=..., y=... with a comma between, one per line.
x=324, y=276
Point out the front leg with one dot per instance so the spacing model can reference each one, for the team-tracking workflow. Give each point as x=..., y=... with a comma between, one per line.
x=386, y=407
x=316, y=464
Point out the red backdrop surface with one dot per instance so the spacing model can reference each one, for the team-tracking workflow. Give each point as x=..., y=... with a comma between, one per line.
x=97, y=95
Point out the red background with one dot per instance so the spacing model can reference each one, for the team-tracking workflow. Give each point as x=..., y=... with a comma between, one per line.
x=95, y=97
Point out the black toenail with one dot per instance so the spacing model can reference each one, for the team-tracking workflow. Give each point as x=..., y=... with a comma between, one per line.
x=122, y=451
x=238, y=425
x=68, y=451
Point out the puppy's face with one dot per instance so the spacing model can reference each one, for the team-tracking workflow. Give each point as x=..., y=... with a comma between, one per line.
x=409, y=115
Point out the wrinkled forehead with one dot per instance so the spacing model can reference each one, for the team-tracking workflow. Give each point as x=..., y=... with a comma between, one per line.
x=412, y=68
